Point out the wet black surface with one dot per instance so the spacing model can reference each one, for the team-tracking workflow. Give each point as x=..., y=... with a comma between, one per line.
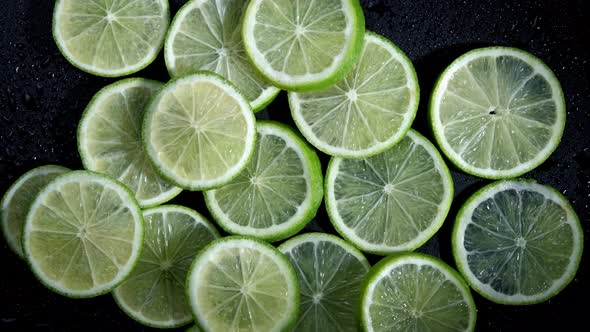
x=42, y=97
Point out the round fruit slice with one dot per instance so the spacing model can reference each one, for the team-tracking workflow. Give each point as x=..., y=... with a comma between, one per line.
x=277, y=194
x=330, y=273
x=497, y=112
x=109, y=139
x=154, y=292
x=416, y=292
x=366, y=113
x=517, y=242
x=303, y=45
x=243, y=284
x=110, y=38
x=206, y=35
x=15, y=204
x=199, y=131
x=391, y=202
x=83, y=234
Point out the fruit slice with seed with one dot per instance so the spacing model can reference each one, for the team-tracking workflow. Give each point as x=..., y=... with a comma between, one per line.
x=277, y=194
x=206, y=35
x=243, y=284
x=497, y=112
x=330, y=273
x=391, y=202
x=154, y=293
x=110, y=38
x=303, y=45
x=109, y=139
x=15, y=203
x=517, y=242
x=366, y=113
x=83, y=234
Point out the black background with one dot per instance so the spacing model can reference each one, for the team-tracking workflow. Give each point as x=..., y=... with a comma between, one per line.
x=42, y=97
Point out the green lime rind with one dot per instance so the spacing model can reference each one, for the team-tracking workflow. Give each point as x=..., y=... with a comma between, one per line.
x=557, y=97
x=308, y=207
x=288, y=322
x=12, y=222
x=337, y=73
x=132, y=207
x=317, y=281
x=383, y=136
x=172, y=241
x=423, y=236
x=385, y=265
x=98, y=163
x=128, y=69
x=549, y=193
x=172, y=175
x=235, y=58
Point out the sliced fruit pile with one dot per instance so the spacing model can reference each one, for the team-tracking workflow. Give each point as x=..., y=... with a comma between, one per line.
x=496, y=113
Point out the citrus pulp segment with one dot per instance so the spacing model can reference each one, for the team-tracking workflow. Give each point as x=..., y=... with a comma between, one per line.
x=154, y=293
x=110, y=38
x=83, y=234
x=416, y=292
x=240, y=283
x=15, y=203
x=206, y=35
x=391, y=202
x=303, y=45
x=517, y=242
x=277, y=194
x=366, y=113
x=109, y=139
x=497, y=112
x=199, y=131
x=330, y=273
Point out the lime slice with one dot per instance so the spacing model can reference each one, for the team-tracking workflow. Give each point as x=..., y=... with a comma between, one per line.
x=517, y=242
x=83, y=234
x=199, y=131
x=416, y=292
x=109, y=139
x=303, y=45
x=154, y=292
x=277, y=194
x=110, y=38
x=391, y=202
x=15, y=203
x=330, y=273
x=497, y=112
x=243, y=284
x=206, y=35
x=366, y=113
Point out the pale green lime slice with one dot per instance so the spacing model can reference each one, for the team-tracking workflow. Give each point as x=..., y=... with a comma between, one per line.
x=497, y=112
x=330, y=273
x=517, y=242
x=240, y=283
x=110, y=38
x=366, y=113
x=109, y=139
x=199, y=131
x=15, y=203
x=83, y=234
x=154, y=292
x=206, y=35
x=415, y=292
x=303, y=45
x=391, y=202
x=277, y=194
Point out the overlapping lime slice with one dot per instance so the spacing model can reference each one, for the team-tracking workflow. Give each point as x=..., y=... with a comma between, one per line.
x=206, y=35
